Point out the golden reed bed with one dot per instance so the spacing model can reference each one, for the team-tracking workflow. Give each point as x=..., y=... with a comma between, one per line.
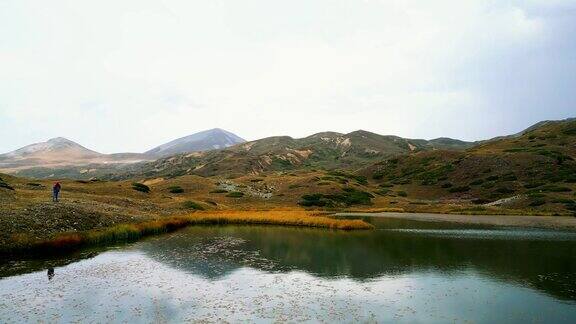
x=132, y=232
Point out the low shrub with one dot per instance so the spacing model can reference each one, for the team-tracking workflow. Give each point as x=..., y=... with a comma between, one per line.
x=554, y=188
x=348, y=197
x=459, y=189
x=504, y=190
x=537, y=202
x=510, y=177
x=377, y=175
x=140, y=187
x=192, y=205
x=5, y=185
x=235, y=194
x=477, y=182
x=447, y=185
x=402, y=193
x=218, y=191
x=176, y=189
x=531, y=185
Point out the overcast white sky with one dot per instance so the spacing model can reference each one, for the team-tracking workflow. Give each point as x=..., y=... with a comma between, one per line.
x=129, y=75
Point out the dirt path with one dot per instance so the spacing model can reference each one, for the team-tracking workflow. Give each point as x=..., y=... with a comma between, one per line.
x=551, y=222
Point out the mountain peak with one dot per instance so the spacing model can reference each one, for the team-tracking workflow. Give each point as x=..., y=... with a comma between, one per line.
x=215, y=138
x=57, y=140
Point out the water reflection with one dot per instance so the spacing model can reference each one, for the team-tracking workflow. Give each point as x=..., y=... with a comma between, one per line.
x=214, y=252
x=403, y=272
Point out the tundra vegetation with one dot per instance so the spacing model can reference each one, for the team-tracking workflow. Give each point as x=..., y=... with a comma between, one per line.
x=533, y=173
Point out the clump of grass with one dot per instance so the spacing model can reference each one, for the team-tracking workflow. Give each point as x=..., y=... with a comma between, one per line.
x=219, y=191
x=235, y=194
x=140, y=187
x=175, y=189
x=402, y=193
x=192, y=205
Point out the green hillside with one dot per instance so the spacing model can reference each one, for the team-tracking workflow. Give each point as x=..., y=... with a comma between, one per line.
x=535, y=169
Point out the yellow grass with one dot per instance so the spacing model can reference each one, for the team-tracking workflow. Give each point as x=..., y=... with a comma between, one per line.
x=132, y=232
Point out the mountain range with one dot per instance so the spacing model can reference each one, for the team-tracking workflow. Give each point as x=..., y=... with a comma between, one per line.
x=217, y=152
x=62, y=153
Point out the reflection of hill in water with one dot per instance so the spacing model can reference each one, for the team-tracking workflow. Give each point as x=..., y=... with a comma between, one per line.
x=214, y=252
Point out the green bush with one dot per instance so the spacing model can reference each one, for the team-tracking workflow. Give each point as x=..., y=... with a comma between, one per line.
x=5, y=185
x=348, y=197
x=377, y=175
x=235, y=194
x=510, y=177
x=140, y=187
x=402, y=193
x=459, y=189
x=192, y=205
x=176, y=189
x=219, y=191
x=504, y=190
x=553, y=188
x=537, y=202
x=531, y=185
x=477, y=182
x=447, y=185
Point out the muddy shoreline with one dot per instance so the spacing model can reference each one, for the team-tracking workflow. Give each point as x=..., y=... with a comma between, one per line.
x=546, y=222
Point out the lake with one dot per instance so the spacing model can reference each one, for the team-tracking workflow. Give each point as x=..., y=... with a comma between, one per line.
x=404, y=271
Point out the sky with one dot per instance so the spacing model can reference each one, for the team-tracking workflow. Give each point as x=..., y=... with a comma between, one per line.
x=126, y=76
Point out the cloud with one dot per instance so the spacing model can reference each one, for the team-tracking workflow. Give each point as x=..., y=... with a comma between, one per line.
x=127, y=76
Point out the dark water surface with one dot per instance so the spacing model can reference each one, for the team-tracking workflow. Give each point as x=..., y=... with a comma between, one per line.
x=405, y=271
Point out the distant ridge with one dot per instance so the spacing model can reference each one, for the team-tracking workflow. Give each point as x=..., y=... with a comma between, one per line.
x=58, y=152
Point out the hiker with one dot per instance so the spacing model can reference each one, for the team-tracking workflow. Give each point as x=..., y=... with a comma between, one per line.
x=56, y=191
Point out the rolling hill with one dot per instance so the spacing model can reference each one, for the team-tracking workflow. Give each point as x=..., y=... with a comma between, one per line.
x=327, y=150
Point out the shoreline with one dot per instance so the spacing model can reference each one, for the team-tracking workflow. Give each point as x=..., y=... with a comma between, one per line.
x=545, y=222
x=129, y=232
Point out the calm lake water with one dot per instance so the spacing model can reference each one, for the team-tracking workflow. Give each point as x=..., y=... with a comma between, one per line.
x=405, y=271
